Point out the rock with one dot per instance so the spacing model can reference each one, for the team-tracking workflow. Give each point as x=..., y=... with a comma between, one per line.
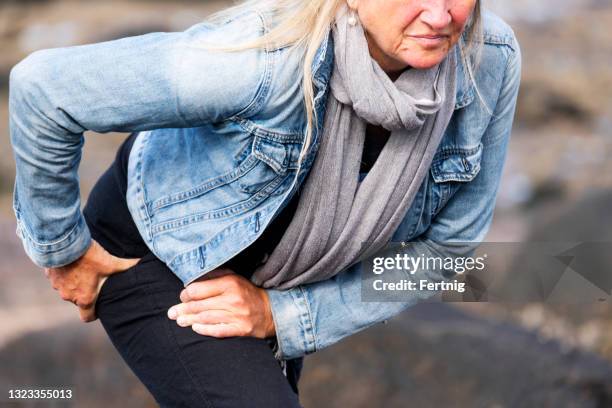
x=435, y=355
x=72, y=356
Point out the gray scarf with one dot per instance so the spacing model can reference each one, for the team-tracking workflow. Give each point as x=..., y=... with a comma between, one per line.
x=339, y=221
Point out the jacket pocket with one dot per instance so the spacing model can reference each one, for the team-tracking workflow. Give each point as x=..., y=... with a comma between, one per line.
x=451, y=168
x=276, y=161
x=271, y=163
x=260, y=170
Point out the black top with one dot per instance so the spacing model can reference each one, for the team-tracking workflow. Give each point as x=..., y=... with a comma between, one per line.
x=111, y=223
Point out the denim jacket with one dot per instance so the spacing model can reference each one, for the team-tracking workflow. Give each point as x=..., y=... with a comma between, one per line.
x=455, y=204
x=216, y=155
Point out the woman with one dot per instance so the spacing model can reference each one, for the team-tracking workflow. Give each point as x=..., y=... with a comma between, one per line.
x=218, y=188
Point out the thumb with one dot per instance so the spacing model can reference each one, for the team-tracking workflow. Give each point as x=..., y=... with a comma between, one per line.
x=122, y=264
x=87, y=314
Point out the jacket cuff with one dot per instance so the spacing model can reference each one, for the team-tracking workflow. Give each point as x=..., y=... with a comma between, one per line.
x=60, y=252
x=293, y=323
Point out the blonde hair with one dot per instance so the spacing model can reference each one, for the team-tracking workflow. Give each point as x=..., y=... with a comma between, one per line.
x=303, y=24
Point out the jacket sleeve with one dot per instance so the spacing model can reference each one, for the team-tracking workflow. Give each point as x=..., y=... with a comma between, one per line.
x=314, y=316
x=151, y=81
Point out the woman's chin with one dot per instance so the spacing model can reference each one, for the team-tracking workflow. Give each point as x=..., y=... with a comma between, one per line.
x=426, y=60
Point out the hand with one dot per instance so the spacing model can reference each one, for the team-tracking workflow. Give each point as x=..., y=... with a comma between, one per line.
x=80, y=281
x=224, y=304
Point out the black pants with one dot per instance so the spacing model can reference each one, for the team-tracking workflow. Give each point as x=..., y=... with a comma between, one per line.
x=178, y=366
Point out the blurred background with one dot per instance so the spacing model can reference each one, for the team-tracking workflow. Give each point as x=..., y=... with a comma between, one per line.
x=557, y=186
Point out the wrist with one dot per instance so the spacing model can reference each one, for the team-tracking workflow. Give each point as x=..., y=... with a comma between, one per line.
x=269, y=327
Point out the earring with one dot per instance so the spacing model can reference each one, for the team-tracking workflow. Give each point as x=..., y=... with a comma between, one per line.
x=352, y=20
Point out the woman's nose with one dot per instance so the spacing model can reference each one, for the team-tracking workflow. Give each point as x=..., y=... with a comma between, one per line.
x=436, y=14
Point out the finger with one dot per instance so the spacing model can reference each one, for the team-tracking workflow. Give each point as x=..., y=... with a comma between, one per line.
x=208, y=317
x=215, y=317
x=216, y=273
x=216, y=330
x=100, y=283
x=87, y=305
x=187, y=320
x=87, y=314
x=67, y=296
x=196, y=306
x=202, y=290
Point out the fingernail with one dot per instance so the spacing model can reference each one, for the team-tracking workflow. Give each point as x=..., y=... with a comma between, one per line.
x=172, y=313
x=184, y=295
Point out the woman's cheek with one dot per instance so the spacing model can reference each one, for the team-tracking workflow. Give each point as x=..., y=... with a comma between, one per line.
x=404, y=17
x=459, y=21
x=462, y=10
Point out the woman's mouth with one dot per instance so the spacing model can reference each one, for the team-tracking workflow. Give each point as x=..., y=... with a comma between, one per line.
x=429, y=40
